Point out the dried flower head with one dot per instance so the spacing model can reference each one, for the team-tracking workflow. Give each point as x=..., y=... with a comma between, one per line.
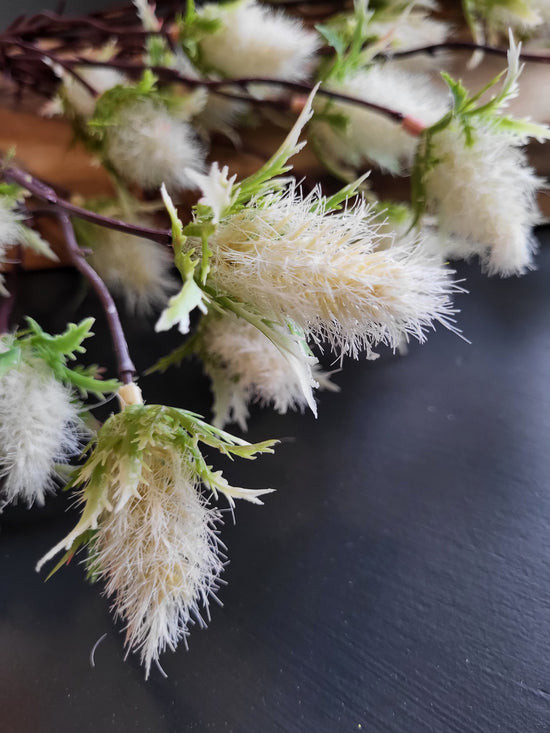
x=148, y=146
x=252, y=39
x=472, y=173
x=40, y=427
x=76, y=99
x=483, y=194
x=137, y=269
x=289, y=259
x=159, y=555
x=347, y=137
x=152, y=535
x=245, y=366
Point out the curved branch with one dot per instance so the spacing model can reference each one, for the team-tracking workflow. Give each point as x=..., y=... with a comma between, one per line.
x=45, y=193
x=125, y=366
x=462, y=46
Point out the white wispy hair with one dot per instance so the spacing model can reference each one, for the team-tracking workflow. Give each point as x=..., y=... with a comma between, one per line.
x=40, y=427
x=483, y=194
x=254, y=40
x=218, y=113
x=136, y=268
x=77, y=99
x=370, y=137
x=148, y=146
x=414, y=29
x=159, y=556
x=245, y=366
x=290, y=260
x=10, y=230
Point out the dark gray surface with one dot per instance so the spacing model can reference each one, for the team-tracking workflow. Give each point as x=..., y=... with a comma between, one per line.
x=398, y=580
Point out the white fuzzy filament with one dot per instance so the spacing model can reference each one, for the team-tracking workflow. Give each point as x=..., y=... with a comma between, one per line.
x=148, y=146
x=159, y=556
x=483, y=195
x=39, y=427
x=323, y=272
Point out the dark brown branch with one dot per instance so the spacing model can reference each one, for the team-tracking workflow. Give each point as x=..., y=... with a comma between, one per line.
x=46, y=193
x=172, y=76
x=125, y=366
x=463, y=46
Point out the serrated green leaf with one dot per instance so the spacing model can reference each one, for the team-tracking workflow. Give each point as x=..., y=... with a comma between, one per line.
x=67, y=343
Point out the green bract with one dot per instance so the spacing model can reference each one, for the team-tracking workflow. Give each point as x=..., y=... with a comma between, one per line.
x=117, y=468
x=34, y=343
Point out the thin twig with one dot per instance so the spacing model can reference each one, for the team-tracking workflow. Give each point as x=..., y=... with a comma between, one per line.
x=171, y=75
x=125, y=366
x=45, y=193
x=462, y=46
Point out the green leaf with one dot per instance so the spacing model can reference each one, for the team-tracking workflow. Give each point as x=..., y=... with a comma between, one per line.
x=257, y=184
x=333, y=203
x=65, y=344
x=334, y=37
x=175, y=357
x=81, y=541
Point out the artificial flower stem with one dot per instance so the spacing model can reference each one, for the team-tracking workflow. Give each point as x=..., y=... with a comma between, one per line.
x=45, y=193
x=125, y=366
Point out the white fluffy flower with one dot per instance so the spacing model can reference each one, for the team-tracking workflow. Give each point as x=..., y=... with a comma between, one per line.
x=159, y=556
x=254, y=40
x=39, y=427
x=370, y=137
x=411, y=30
x=288, y=260
x=77, y=98
x=483, y=195
x=149, y=146
x=10, y=230
x=245, y=366
x=218, y=113
x=136, y=268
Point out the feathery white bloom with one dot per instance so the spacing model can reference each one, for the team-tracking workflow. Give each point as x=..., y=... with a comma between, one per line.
x=218, y=113
x=288, y=260
x=483, y=195
x=78, y=98
x=410, y=30
x=245, y=366
x=39, y=427
x=499, y=16
x=136, y=268
x=149, y=146
x=254, y=40
x=159, y=556
x=370, y=137
x=154, y=541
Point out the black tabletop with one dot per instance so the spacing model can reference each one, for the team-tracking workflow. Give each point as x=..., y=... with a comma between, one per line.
x=398, y=579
